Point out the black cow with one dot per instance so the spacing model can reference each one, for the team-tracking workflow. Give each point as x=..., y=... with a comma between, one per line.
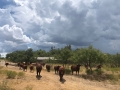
x=61, y=72
x=56, y=68
x=6, y=64
x=48, y=68
x=38, y=69
x=75, y=68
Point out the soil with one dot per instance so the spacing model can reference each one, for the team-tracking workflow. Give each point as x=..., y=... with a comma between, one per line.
x=50, y=81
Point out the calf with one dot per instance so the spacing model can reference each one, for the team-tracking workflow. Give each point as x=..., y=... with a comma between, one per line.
x=48, y=68
x=31, y=68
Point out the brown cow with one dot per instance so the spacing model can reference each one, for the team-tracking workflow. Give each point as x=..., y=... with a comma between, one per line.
x=61, y=72
x=86, y=65
x=38, y=69
x=24, y=68
x=56, y=68
x=20, y=66
x=75, y=68
x=48, y=68
x=43, y=64
x=6, y=64
x=31, y=68
x=98, y=66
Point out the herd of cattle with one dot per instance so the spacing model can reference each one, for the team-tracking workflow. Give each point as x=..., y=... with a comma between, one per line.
x=58, y=69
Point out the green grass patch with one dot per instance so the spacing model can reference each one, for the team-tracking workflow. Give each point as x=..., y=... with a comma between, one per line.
x=11, y=74
x=67, y=71
x=20, y=75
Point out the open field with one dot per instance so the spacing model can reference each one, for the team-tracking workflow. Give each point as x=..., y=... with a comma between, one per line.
x=50, y=81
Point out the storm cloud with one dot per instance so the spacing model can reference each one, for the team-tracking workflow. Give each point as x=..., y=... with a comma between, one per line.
x=40, y=24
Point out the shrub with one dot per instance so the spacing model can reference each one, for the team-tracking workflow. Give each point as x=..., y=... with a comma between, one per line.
x=67, y=71
x=98, y=72
x=89, y=72
x=11, y=74
x=21, y=74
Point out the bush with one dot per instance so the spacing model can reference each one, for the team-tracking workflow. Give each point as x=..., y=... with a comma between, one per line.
x=11, y=74
x=98, y=72
x=21, y=74
x=89, y=72
x=67, y=71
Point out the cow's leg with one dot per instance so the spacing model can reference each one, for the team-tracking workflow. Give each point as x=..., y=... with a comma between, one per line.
x=72, y=72
x=78, y=72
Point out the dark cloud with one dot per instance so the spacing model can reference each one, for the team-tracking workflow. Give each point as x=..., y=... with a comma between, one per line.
x=61, y=22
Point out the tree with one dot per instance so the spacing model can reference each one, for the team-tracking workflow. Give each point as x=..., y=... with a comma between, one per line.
x=64, y=55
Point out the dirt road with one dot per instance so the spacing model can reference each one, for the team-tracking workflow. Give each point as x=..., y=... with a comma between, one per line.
x=50, y=81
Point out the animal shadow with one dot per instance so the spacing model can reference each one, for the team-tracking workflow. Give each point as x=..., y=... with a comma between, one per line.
x=62, y=81
x=38, y=77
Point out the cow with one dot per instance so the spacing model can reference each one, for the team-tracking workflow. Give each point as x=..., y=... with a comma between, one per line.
x=24, y=68
x=38, y=69
x=43, y=64
x=31, y=68
x=56, y=68
x=75, y=68
x=48, y=68
x=86, y=65
x=6, y=64
x=20, y=66
x=98, y=66
x=61, y=72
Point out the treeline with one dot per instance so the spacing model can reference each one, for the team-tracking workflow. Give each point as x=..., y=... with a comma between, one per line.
x=66, y=55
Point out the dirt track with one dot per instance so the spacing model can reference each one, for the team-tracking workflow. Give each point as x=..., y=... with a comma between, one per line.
x=50, y=81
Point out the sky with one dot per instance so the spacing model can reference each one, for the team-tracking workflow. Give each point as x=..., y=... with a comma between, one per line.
x=40, y=24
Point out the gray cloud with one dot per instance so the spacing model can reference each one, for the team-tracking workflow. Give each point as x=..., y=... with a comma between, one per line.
x=42, y=24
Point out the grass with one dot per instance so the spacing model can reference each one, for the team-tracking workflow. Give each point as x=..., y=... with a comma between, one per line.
x=20, y=75
x=4, y=86
x=11, y=74
x=28, y=87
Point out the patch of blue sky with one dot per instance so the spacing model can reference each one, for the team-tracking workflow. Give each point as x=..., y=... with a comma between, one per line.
x=4, y=3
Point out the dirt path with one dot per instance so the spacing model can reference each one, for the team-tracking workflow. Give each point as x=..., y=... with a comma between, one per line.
x=50, y=81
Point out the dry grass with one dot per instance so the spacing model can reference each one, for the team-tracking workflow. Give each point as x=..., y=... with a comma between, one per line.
x=50, y=81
